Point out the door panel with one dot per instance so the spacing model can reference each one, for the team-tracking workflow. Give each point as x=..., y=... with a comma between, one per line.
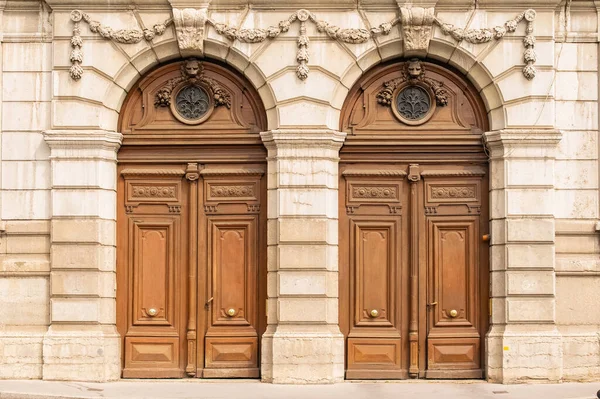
x=154, y=259
x=232, y=216
x=373, y=221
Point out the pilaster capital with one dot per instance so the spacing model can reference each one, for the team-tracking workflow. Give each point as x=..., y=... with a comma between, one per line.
x=83, y=143
x=292, y=144
x=505, y=142
x=303, y=137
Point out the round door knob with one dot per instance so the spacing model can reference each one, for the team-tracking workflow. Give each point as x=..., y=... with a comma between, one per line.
x=374, y=313
x=152, y=312
x=453, y=313
x=231, y=312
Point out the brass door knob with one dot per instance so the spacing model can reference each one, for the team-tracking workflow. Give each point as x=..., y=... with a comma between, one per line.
x=453, y=313
x=231, y=312
x=152, y=312
x=374, y=313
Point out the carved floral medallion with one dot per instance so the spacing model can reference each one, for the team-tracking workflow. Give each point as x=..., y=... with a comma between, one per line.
x=413, y=96
x=192, y=96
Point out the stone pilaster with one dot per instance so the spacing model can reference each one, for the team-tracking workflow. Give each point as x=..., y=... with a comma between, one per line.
x=82, y=342
x=523, y=343
x=303, y=343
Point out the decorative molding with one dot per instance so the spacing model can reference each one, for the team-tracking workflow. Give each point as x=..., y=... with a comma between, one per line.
x=416, y=22
x=235, y=191
x=190, y=28
x=153, y=192
x=361, y=192
x=226, y=172
x=153, y=172
x=126, y=36
x=453, y=192
x=192, y=173
x=373, y=172
x=452, y=173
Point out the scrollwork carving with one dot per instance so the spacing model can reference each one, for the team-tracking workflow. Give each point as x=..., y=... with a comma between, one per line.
x=374, y=192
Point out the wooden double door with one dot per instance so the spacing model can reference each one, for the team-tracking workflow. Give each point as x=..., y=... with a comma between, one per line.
x=413, y=269
x=190, y=269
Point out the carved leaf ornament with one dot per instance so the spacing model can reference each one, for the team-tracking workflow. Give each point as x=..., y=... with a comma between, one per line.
x=416, y=27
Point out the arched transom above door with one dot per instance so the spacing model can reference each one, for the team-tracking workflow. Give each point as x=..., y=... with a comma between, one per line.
x=192, y=99
x=413, y=96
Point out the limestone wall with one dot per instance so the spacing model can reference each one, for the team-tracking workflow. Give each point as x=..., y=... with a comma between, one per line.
x=58, y=145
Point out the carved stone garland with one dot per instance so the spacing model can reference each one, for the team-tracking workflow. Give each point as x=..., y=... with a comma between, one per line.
x=126, y=36
x=416, y=26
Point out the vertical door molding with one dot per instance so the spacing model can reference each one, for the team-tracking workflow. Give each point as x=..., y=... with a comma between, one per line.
x=82, y=299
x=302, y=258
x=414, y=177
x=523, y=333
x=192, y=175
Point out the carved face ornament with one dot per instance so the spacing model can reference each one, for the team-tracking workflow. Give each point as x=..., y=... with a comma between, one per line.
x=414, y=68
x=192, y=68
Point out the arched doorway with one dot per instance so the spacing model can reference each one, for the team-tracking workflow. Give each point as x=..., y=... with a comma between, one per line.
x=413, y=223
x=191, y=224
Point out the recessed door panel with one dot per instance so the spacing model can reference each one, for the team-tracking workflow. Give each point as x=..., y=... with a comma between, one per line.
x=153, y=271
x=375, y=273
x=231, y=338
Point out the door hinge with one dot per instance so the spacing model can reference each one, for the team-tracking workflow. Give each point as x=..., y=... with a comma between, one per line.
x=490, y=307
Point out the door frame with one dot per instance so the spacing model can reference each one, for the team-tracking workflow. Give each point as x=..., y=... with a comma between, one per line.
x=425, y=147
x=156, y=143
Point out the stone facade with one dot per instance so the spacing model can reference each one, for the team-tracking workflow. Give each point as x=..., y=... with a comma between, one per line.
x=64, y=79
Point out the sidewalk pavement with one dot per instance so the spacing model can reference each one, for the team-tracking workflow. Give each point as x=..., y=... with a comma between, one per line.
x=242, y=389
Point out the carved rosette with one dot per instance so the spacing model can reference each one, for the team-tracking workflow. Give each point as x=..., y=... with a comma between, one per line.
x=413, y=96
x=192, y=76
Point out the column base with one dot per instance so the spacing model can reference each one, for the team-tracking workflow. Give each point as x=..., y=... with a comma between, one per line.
x=302, y=355
x=520, y=354
x=82, y=353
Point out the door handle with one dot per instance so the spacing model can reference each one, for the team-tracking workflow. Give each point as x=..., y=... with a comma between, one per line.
x=208, y=302
x=432, y=304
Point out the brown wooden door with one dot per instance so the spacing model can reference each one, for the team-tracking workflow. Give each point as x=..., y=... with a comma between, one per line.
x=453, y=225
x=413, y=208
x=191, y=251
x=191, y=225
